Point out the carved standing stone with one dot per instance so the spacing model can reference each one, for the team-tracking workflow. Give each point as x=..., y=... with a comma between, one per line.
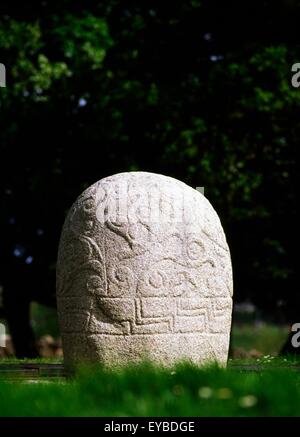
x=143, y=272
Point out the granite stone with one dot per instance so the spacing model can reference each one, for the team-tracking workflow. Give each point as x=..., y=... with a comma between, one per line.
x=143, y=272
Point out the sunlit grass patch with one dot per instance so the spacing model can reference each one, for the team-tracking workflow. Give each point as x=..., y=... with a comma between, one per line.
x=146, y=390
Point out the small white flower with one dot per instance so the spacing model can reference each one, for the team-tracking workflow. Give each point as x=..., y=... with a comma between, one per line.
x=248, y=401
x=205, y=392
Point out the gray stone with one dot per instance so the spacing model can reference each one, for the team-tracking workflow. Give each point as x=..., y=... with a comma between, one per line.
x=143, y=272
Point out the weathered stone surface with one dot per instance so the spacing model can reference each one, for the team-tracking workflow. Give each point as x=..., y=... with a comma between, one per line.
x=143, y=271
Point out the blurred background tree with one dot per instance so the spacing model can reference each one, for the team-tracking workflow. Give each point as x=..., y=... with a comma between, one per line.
x=198, y=90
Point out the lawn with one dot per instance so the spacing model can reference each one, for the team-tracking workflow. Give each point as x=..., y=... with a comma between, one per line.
x=270, y=388
x=261, y=337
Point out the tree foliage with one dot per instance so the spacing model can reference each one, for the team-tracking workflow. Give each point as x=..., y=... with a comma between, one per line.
x=199, y=90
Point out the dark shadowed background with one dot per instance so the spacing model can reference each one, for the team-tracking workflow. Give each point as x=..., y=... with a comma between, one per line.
x=197, y=90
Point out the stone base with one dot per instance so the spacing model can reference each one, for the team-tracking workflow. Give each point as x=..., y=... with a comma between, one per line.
x=163, y=349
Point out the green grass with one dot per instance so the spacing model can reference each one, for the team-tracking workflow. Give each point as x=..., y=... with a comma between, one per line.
x=265, y=338
x=146, y=390
x=268, y=386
